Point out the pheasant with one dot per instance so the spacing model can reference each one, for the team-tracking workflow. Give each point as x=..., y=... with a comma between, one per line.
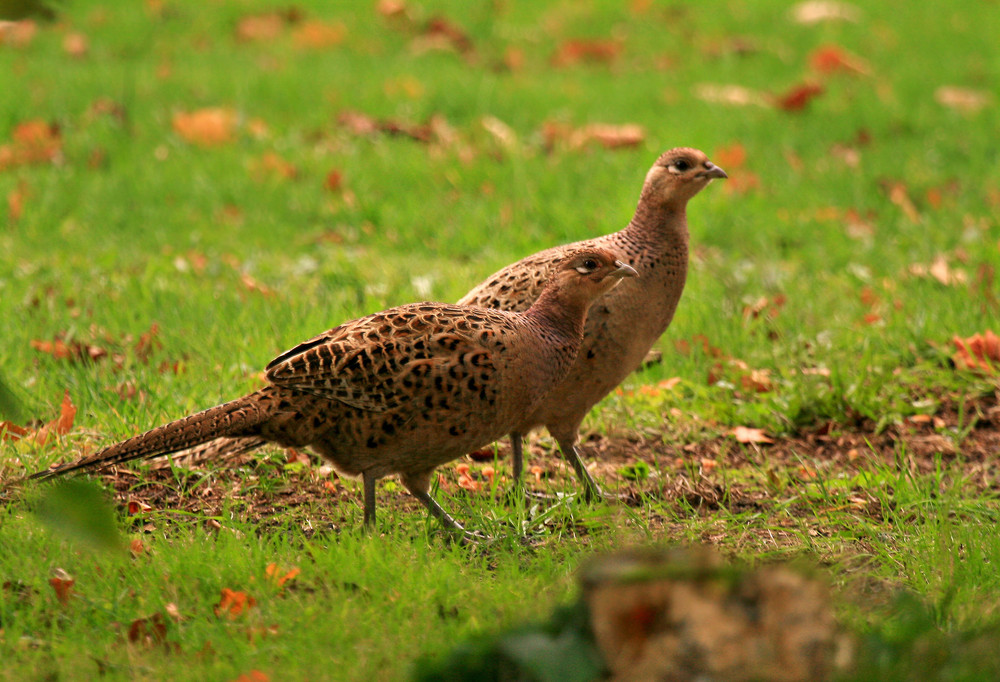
x=404, y=390
x=623, y=325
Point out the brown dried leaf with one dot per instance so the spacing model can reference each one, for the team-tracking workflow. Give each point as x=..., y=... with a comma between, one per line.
x=574, y=52
x=148, y=632
x=206, y=127
x=442, y=34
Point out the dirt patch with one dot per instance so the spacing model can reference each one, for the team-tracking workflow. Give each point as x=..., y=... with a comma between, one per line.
x=681, y=480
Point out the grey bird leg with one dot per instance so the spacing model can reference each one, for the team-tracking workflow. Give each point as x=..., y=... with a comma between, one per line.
x=591, y=491
x=517, y=457
x=418, y=485
x=369, y=483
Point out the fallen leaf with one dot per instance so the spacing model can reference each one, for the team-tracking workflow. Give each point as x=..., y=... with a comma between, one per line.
x=441, y=34
x=75, y=45
x=734, y=95
x=899, y=196
x=278, y=576
x=833, y=59
x=250, y=284
x=232, y=603
x=609, y=136
x=59, y=426
x=966, y=100
x=15, y=201
x=318, y=35
x=272, y=165
x=469, y=483
x=500, y=131
x=136, y=548
x=978, y=353
x=18, y=34
x=149, y=632
x=746, y=434
x=260, y=27
x=62, y=582
x=253, y=676
x=799, y=96
x=391, y=8
x=137, y=507
x=731, y=157
x=206, y=127
x=595, y=51
x=34, y=141
x=816, y=11
x=334, y=181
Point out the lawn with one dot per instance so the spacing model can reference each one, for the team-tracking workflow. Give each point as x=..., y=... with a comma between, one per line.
x=192, y=188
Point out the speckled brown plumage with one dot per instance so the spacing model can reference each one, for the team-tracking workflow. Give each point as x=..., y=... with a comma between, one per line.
x=401, y=391
x=624, y=324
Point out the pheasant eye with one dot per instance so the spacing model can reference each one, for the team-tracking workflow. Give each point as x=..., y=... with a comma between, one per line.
x=681, y=165
x=590, y=264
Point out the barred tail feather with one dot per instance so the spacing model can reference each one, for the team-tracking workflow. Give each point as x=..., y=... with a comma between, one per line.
x=235, y=418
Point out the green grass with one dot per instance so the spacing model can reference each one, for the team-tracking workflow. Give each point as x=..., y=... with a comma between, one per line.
x=112, y=234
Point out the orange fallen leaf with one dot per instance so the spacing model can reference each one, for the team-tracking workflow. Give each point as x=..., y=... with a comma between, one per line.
x=899, y=195
x=206, y=127
x=260, y=27
x=831, y=59
x=391, y=8
x=76, y=45
x=138, y=507
x=278, y=576
x=253, y=676
x=318, y=35
x=18, y=33
x=59, y=426
x=136, y=547
x=232, y=603
x=15, y=201
x=272, y=165
x=746, y=434
x=34, y=141
x=334, y=180
x=575, y=51
x=731, y=157
x=979, y=352
x=330, y=486
x=62, y=582
x=799, y=96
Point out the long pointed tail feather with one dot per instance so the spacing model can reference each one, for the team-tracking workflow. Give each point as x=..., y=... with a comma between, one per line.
x=235, y=418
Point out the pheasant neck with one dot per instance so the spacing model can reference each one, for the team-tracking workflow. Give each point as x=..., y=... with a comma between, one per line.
x=561, y=313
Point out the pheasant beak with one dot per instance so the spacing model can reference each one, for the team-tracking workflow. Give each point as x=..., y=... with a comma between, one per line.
x=712, y=171
x=624, y=270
